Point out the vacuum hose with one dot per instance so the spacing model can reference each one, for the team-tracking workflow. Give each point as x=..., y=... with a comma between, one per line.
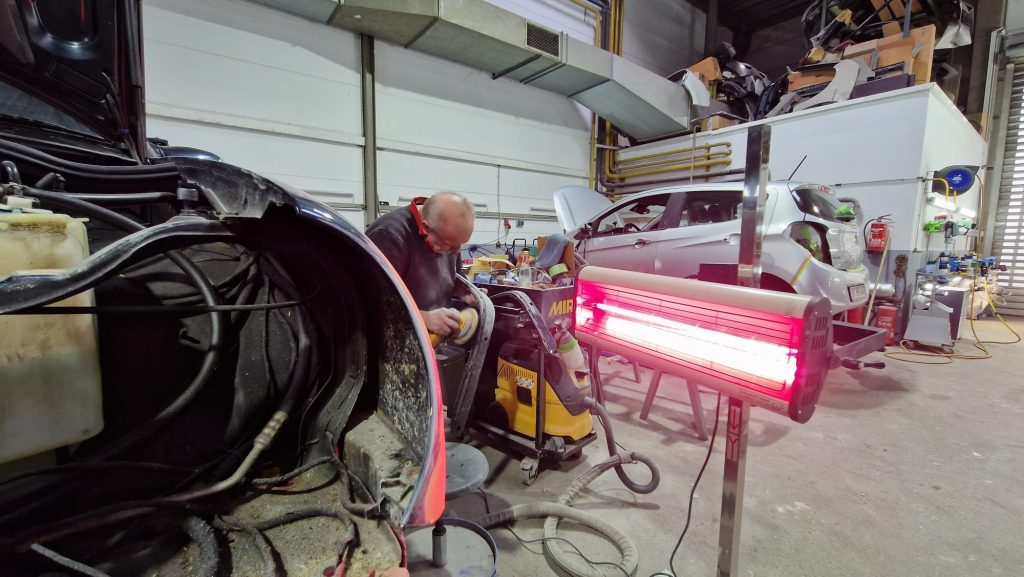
x=563, y=555
x=560, y=553
x=624, y=458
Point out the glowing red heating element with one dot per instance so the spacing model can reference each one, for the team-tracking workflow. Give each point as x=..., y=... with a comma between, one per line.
x=771, y=349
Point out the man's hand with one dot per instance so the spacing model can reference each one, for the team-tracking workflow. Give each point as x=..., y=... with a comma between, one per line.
x=469, y=299
x=441, y=321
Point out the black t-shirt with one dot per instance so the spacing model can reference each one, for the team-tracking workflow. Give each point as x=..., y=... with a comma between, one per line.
x=429, y=276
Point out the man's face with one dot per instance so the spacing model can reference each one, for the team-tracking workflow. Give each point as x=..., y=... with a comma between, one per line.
x=449, y=237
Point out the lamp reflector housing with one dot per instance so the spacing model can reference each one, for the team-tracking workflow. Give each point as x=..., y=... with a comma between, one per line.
x=768, y=348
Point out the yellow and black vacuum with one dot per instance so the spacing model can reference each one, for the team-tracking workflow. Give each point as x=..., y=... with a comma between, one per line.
x=516, y=394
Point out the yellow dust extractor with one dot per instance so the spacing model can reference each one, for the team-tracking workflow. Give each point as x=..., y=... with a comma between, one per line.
x=515, y=402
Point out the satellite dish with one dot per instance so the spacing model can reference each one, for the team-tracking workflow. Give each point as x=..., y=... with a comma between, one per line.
x=960, y=178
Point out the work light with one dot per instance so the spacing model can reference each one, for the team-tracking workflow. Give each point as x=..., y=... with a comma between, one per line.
x=769, y=348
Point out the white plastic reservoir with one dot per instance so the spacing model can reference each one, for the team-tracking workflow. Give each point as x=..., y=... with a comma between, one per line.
x=50, y=388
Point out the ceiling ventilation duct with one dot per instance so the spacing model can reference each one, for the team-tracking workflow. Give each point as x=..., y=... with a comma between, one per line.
x=477, y=34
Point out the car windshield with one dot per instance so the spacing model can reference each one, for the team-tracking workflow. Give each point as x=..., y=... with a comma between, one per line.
x=16, y=104
x=643, y=214
x=812, y=201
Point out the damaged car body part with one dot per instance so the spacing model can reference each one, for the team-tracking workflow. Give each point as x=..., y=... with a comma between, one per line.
x=263, y=371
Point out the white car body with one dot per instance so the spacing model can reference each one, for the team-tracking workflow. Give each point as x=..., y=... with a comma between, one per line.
x=673, y=230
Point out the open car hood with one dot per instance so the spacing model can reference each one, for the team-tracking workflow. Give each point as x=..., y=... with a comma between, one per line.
x=85, y=61
x=576, y=205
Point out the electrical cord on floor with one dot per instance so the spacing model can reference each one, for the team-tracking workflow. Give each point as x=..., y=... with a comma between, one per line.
x=546, y=540
x=481, y=532
x=945, y=358
x=693, y=491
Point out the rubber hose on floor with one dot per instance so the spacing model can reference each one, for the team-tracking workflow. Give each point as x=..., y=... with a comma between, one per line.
x=564, y=556
x=633, y=456
x=577, y=567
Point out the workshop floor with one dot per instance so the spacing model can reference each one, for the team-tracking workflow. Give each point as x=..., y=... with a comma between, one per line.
x=911, y=470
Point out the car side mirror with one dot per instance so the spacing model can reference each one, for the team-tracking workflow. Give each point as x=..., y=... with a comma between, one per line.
x=585, y=231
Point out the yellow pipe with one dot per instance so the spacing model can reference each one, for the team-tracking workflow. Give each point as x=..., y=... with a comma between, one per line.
x=707, y=155
x=674, y=168
x=610, y=166
x=708, y=147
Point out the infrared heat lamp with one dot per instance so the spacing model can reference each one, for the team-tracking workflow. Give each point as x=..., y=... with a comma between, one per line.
x=767, y=348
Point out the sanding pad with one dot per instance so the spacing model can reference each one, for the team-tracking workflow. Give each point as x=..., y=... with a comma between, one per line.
x=467, y=328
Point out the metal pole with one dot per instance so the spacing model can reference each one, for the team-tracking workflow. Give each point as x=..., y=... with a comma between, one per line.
x=732, y=488
x=755, y=183
x=711, y=27
x=908, y=7
x=997, y=150
x=368, y=65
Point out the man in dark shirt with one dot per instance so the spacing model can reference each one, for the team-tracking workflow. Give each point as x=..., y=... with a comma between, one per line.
x=423, y=242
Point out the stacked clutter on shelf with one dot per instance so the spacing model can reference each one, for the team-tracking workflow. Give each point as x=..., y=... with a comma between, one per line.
x=554, y=266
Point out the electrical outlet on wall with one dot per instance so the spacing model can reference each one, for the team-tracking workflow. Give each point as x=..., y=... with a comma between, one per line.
x=520, y=223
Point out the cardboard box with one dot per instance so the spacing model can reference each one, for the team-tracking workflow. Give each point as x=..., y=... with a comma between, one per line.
x=717, y=122
x=798, y=80
x=895, y=9
x=708, y=70
x=921, y=41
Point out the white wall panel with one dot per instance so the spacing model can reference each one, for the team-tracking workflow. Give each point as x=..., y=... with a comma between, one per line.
x=240, y=59
x=330, y=172
x=429, y=105
x=402, y=177
x=527, y=192
x=489, y=230
x=270, y=92
x=280, y=95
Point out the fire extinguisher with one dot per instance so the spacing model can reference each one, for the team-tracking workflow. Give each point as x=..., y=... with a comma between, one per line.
x=878, y=234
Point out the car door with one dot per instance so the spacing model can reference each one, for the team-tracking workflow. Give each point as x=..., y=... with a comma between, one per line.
x=626, y=236
x=708, y=231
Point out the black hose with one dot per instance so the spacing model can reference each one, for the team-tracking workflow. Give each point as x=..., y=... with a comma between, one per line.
x=305, y=350
x=226, y=523
x=11, y=172
x=154, y=310
x=28, y=154
x=292, y=474
x=108, y=515
x=191, y=391
x=70, y=564
x=609, y=436
x=69, y=468
x=242, y=272
x=305, y=513
x=208, y=558
x=210, y=298
x=126, y=199
x=481, y=532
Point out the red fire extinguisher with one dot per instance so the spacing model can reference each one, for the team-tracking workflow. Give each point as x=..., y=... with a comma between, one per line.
x=878, y=235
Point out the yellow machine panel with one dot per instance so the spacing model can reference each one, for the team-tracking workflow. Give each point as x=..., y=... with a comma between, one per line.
x=517, y=394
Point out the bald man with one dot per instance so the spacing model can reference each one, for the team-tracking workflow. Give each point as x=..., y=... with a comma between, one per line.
x=423, y=243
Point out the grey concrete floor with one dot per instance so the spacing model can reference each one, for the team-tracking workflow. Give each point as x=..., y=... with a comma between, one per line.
x=910, y=470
